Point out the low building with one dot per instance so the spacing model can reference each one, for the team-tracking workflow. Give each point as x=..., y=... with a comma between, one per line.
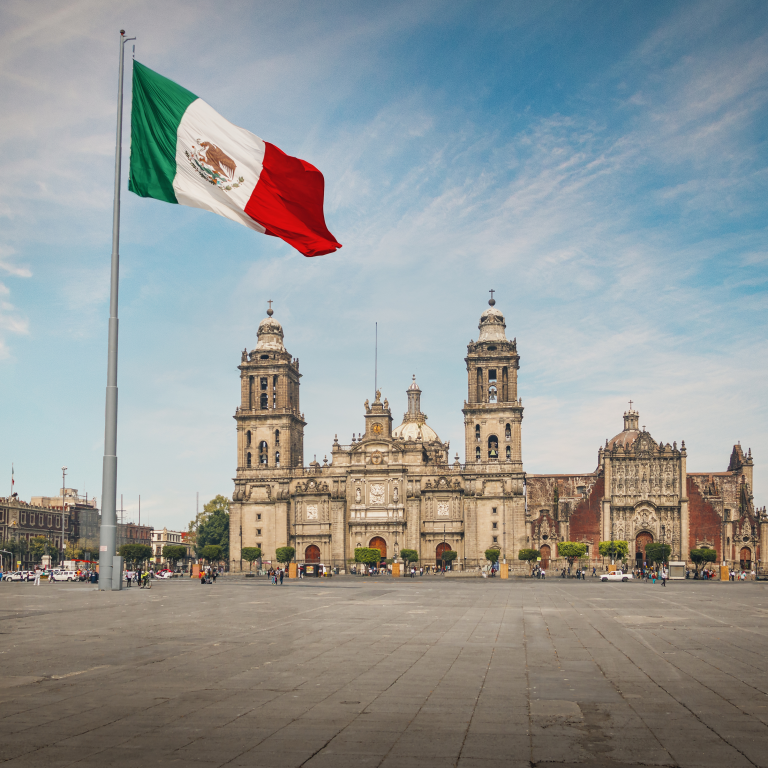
x=162, y=537
x=83, y=513
x=132, y=533
x=21, y=522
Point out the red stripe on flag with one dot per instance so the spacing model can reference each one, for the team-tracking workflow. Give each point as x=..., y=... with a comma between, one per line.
x=288, y=203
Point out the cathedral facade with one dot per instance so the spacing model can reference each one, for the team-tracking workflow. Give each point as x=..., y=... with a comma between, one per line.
x=394, y=487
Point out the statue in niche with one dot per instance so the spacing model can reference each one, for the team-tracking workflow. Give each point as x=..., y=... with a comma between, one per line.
x=395, y=494
x=367, y=407
x=386, y=404
x=358, y=495
x=244, y=357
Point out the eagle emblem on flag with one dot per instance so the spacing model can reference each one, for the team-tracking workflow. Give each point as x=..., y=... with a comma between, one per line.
x=214, y=165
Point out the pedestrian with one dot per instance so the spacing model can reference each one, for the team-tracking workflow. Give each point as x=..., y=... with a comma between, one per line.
x=594, y=572
x=282, y=573
x=128, y=576
x=663, y=577
x=37, y=578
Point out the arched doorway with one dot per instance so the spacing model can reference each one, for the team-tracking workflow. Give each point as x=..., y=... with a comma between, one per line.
x=642, y=539
x=378, y=543
x=545, y=553
x=443, y=547
x=312, y=554
x=745, y=559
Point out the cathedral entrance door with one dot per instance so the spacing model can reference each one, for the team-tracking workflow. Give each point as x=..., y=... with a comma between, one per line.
x=378, y=543
x=745, y=559
x=640, y=542
x=439, y=553
x=545, y=553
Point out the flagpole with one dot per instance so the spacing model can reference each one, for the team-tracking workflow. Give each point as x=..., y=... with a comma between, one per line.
x=108, y=526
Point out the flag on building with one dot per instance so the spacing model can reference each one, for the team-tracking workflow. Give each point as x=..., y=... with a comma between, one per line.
x=183, y=151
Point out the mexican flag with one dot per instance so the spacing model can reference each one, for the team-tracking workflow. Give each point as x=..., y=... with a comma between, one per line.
x=183, y=151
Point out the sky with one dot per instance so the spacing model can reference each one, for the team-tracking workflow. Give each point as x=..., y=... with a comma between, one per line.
x=602, y=166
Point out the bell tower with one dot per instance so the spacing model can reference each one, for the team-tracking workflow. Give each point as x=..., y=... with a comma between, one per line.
x=270, y=425
x=493, y=414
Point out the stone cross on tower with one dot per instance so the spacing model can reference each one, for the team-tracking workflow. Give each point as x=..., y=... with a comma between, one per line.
x=492, y=301
x=630, y=405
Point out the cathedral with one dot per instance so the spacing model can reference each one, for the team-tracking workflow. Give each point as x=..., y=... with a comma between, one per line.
x=396, y=488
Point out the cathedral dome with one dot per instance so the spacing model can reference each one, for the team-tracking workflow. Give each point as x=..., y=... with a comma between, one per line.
x=492, y=324
x=414, y=430
x=270, y=335
x=414, y=426
x=630, y=432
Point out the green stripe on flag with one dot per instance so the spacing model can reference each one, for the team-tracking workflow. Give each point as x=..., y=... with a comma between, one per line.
x=158, y=106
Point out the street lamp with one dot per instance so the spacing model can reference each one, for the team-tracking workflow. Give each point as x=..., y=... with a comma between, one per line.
x=663, y=546
x=63, y=495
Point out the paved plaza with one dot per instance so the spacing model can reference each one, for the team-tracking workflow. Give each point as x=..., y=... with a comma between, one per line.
x=384, y=672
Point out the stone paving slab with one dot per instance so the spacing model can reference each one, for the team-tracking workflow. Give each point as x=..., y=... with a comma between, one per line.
x=384, y=672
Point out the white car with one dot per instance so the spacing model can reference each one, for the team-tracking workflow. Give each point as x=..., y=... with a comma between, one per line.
x=59, y=575
x=16, y=576
x=616, y=576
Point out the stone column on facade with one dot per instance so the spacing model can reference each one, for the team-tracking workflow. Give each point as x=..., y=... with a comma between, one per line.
x=605, y=505
x=685, y=523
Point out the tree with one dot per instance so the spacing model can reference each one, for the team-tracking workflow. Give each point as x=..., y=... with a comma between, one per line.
x=656, y=552
x=37, y=547
x=449, y=555
x=250, y=554
x=174, y=553
x=701, y=556
x=135, y=554
x=367, y=555
x=212, y=552
x=72, y=551
x=571, y=550
x=285, y=554
x=492, y=555
x=409, y=555
x=528, y=555
x=211, y=526
x=620, y=549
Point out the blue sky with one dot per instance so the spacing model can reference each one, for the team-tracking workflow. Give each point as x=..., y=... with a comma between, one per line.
x=602, y=166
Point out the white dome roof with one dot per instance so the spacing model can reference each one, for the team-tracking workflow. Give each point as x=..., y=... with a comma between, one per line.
x=270, y=335
x=492, y=325
x=414, y=430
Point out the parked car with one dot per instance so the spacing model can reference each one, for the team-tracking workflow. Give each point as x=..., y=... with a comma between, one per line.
x=16, y=576
x=616, y=576
x=60, y=575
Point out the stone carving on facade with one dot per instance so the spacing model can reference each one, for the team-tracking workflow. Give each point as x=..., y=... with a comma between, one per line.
x=377, y=494
x=377, y=457
x=443, y=509
x=395, y=493
x=311, y=511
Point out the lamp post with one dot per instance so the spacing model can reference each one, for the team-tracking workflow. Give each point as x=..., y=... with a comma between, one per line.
x=663, y=546
x=63, y=496
x=442, y=551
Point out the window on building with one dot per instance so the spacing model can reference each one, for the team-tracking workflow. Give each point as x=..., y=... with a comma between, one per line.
x=248, y=460
x=477, y=453
x=492, y=375
x=258, y=544
x=508, y=433
x=264, y=384
x=258, y=531
x=480, y=385
x=509, y=453
x=494, y=525
x=277, y=458
x=277, y=438
x=493, y=447
x=495, y=539
x=258, y=517
x=248, y=439
x=263, y=453
x=492, y=394
x=493, y=510
x=274, y=391
x=727, y=514
x=477, y=432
